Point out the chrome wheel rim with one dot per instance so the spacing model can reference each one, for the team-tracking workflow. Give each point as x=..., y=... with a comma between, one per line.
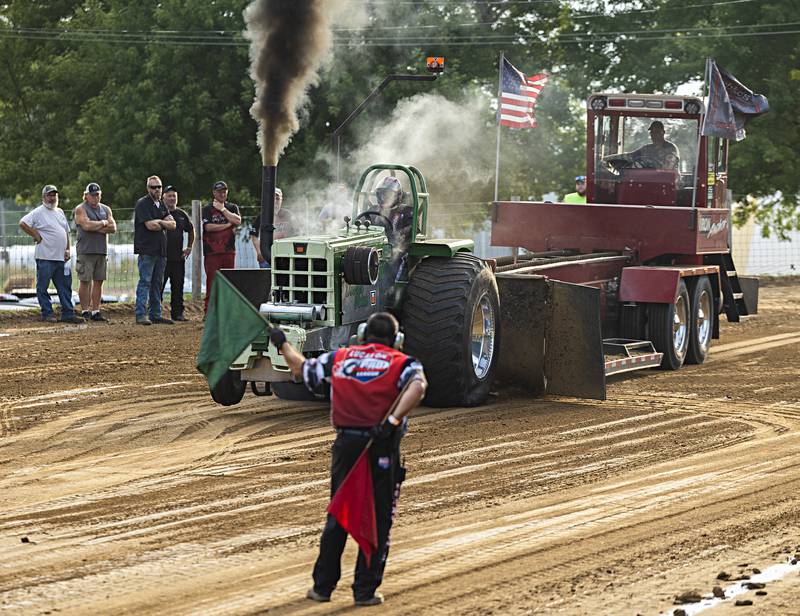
x=482, y=336
x=703, y=321
x=680, y=323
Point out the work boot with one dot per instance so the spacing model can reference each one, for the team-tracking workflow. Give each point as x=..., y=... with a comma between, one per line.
x=98, y=316
x=318, y=597
x=50, y=318
x=86, y=315
x=180, y=317
x=375, y=599
x=73, y=319
x=143, y=321
x=161, y=320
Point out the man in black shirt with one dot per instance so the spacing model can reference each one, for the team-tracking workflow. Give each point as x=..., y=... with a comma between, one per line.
x=175, y=270
x=151, y=221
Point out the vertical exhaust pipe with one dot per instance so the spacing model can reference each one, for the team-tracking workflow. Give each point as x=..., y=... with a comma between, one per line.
x=266, y=232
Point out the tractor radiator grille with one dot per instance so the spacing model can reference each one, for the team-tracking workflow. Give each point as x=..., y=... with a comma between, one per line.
x=303, y=280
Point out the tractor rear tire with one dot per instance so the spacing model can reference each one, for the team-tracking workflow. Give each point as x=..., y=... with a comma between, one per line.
x=289, y=390
x=451, y=317
x=702, y=318
x=229, y=390
x=669, y=328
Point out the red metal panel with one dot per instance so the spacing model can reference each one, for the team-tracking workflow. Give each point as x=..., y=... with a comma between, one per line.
x=645, y=232
x=657, y=285
x=649, y=284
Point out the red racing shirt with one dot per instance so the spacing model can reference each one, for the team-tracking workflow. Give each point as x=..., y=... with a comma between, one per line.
x=365, y=381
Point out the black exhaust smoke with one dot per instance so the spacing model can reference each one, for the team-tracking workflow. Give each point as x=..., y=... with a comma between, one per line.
x=289, y=39
x=267, y=229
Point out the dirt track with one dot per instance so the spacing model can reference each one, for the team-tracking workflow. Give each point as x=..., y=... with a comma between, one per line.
x=127, y=491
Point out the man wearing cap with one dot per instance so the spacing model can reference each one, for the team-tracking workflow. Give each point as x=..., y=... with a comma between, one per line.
x=94, y=222
x=48, y=227
x=175, y=270
x=283, y=228
x=579, y=196
x=660, y=153
x=150, y=223
x=220, y=219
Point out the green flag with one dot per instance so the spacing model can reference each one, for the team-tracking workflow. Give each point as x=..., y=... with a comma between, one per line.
x=231, y=324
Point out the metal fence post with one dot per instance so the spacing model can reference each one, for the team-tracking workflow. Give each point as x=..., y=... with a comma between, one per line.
x=197, y=251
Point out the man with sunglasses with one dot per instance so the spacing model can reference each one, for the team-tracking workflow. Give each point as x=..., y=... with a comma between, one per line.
x=151, y=222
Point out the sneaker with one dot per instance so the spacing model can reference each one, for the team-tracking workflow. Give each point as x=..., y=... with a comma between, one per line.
x=143, y=321
x=50, y=318
x=73, y=319
x=161, y=320
x=180, y=318
x=98, y=316
x=86, y=315
x=318, y=597
x=375, y=599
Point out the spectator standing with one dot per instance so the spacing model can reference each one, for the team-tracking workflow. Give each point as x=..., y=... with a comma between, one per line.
x=220, y=219
x=151, y=222
x=47, y=225
x=175, y=270
x=94, y=222
x=366, y=380
x=283, y=227
x=579, y=196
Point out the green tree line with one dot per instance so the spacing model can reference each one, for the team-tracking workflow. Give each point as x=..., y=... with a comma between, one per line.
x=113, y=90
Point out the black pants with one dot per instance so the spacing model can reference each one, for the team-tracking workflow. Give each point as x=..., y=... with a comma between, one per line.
x=387, y=475
x=175, y=272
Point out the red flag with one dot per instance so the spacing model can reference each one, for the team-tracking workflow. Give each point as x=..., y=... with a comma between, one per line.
x=353, y=506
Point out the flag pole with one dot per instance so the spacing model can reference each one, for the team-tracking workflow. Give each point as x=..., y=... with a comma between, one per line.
x=700, y=137
x=499, y=111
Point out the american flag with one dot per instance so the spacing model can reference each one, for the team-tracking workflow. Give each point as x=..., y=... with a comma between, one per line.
x=518, y=95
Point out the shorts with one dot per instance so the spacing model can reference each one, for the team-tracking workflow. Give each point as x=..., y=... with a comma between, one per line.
x=91, y=267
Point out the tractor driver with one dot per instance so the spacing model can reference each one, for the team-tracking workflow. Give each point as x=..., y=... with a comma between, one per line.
x=659, y=154
x=663, y=153
x=391, y=213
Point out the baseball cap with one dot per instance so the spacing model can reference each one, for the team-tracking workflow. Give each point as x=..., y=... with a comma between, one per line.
x=656, y=124
x=49, y=188
x=220, y=185
x=580, y=178
x=170, y=188
x=92, y=188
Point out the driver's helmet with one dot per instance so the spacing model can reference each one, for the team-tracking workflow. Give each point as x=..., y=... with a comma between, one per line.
x=389, y=192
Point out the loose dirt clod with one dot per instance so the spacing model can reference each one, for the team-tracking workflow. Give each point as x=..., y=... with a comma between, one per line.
x=690, y=596
x=718, y=592
x=742, y=602
x=679, y=612
x=761, y=593
x=755, y=585
x=723, y=575
x=756, y=570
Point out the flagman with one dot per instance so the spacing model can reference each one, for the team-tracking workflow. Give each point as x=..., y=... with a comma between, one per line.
x=373, y=387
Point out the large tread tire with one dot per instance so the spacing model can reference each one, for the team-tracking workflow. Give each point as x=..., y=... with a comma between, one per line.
x=437, y=318
x=229, y=390
x=664, y=322
x=702, y=317
x=631, y=322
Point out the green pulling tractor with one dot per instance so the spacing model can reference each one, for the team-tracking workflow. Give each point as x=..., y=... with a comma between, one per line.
x=321, y=287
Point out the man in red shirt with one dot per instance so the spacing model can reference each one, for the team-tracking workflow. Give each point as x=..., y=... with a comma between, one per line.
x=365, y=381
x=220, y=219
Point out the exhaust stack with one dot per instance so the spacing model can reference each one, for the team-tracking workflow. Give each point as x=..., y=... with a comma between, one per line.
x=267, y=229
